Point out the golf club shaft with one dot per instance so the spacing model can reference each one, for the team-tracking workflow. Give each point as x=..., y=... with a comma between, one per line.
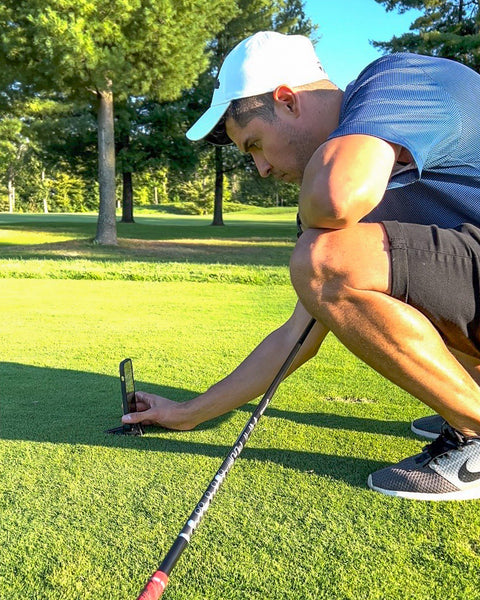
x=158, y=581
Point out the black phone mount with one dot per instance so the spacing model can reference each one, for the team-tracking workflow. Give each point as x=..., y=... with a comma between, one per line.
x=133, y=429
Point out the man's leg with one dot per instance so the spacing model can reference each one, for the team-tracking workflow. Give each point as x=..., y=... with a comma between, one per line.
x=430, y=427
x=470, y=363
x=342, y=277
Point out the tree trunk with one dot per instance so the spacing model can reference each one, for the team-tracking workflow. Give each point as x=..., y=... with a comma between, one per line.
x=11, y=193
x=106, y=224
x=45, y=193
x=218, y=201
x=127, y=199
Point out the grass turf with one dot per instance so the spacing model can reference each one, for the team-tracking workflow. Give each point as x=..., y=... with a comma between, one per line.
x=86, y=515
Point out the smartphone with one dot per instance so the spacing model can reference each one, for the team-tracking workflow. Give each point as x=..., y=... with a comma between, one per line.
x=127, y=383
x=129, y=404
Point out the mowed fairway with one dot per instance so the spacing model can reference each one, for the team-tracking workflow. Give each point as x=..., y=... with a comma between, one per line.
x=85, y=515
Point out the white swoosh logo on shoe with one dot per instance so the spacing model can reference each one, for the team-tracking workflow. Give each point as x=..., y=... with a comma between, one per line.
x=467, y=476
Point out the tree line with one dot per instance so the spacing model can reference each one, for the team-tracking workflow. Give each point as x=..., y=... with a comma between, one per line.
x=96, y=94
x=95, y=99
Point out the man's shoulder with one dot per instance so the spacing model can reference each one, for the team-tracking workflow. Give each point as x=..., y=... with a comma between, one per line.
x=408, y=76
x=406, y=65
x=421, y=103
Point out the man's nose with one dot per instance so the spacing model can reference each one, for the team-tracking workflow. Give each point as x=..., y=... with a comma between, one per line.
x=263, y=166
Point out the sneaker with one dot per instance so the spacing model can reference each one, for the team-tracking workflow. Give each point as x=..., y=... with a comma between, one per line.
x=428, y=427
x=447, y=469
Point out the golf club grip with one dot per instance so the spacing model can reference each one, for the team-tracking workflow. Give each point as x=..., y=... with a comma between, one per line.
x=158, y=581
x=155, y=587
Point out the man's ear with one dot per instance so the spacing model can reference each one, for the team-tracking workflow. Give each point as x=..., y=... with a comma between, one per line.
x=286, y=98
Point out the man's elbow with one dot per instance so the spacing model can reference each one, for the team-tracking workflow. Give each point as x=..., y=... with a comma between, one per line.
x=339, y=210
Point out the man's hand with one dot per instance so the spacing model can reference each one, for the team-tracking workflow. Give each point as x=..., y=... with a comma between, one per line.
x=156, y=410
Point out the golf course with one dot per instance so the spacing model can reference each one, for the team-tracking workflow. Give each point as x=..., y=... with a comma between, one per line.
x=85, y=515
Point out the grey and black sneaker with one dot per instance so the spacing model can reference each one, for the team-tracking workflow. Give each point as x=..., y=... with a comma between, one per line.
x=428, y=427
x=447, y=469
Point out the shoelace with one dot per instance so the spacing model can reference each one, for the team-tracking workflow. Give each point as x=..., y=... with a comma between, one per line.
x=450, y=439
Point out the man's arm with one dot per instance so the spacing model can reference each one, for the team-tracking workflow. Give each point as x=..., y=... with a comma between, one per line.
x=344, y=180
x=248, y=381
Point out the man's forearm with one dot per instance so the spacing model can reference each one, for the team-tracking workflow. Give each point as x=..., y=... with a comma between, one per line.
x=253, y=376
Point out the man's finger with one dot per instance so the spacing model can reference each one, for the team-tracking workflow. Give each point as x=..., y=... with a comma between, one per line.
x=137, y=417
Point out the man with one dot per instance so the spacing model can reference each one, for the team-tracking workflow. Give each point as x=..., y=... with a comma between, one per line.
x=389, y=171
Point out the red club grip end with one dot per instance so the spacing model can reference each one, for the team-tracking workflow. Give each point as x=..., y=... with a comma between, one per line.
x=155, y=586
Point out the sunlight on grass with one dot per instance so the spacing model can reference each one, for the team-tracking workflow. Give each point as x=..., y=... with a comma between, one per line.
x=12, y=237
x=155, y=248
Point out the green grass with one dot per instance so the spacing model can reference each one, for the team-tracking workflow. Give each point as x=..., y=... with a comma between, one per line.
x=86, y=515
x=252, y=248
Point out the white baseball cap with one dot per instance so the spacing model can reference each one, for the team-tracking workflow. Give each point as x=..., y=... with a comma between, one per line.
x=257, y=65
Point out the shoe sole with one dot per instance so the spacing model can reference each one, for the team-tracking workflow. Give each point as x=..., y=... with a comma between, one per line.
x=429, y=435
x=468, y=494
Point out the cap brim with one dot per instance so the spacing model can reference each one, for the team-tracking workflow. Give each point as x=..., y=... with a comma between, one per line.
x=207, y=122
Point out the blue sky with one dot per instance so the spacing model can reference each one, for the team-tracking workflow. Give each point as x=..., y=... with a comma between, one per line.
x=345, y=27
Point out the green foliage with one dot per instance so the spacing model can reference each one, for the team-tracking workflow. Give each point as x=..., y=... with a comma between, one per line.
x=65, y=136
x=68, y=193
x=66, y=45
x=447, y=28
x=153, y=47
x=12, y=142
x=197, y=193
x=151, y=135
x=113, y=48
x=252, y=16
x=151, y=187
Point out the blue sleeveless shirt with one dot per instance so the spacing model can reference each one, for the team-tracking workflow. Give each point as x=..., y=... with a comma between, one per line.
x=431, y=107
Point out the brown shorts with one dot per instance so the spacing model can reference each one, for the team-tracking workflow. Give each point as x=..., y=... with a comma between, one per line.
x=438, y=272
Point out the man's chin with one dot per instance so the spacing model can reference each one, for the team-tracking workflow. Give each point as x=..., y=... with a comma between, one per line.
x=287, y=178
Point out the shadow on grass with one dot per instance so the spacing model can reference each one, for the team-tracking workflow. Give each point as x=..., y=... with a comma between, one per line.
x=247, y=243
x=333, y=421
x=152, y=228
x=75, y=407
x=156, y=251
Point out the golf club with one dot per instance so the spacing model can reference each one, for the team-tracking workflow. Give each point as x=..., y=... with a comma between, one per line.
x=158, y=581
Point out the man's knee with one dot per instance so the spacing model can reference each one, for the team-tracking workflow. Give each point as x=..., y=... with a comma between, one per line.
x=330, y=262
x=317, y=262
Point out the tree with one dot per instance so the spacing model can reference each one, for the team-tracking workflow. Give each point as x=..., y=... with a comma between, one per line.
x=285, y=16
x=13, y=146
x=151, y=135
x=64, y=135
x=447, y=28
x=73, y=48
x=126, y=160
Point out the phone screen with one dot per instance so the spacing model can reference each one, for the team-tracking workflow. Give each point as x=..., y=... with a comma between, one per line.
x=128, y=386
x=127, y=376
